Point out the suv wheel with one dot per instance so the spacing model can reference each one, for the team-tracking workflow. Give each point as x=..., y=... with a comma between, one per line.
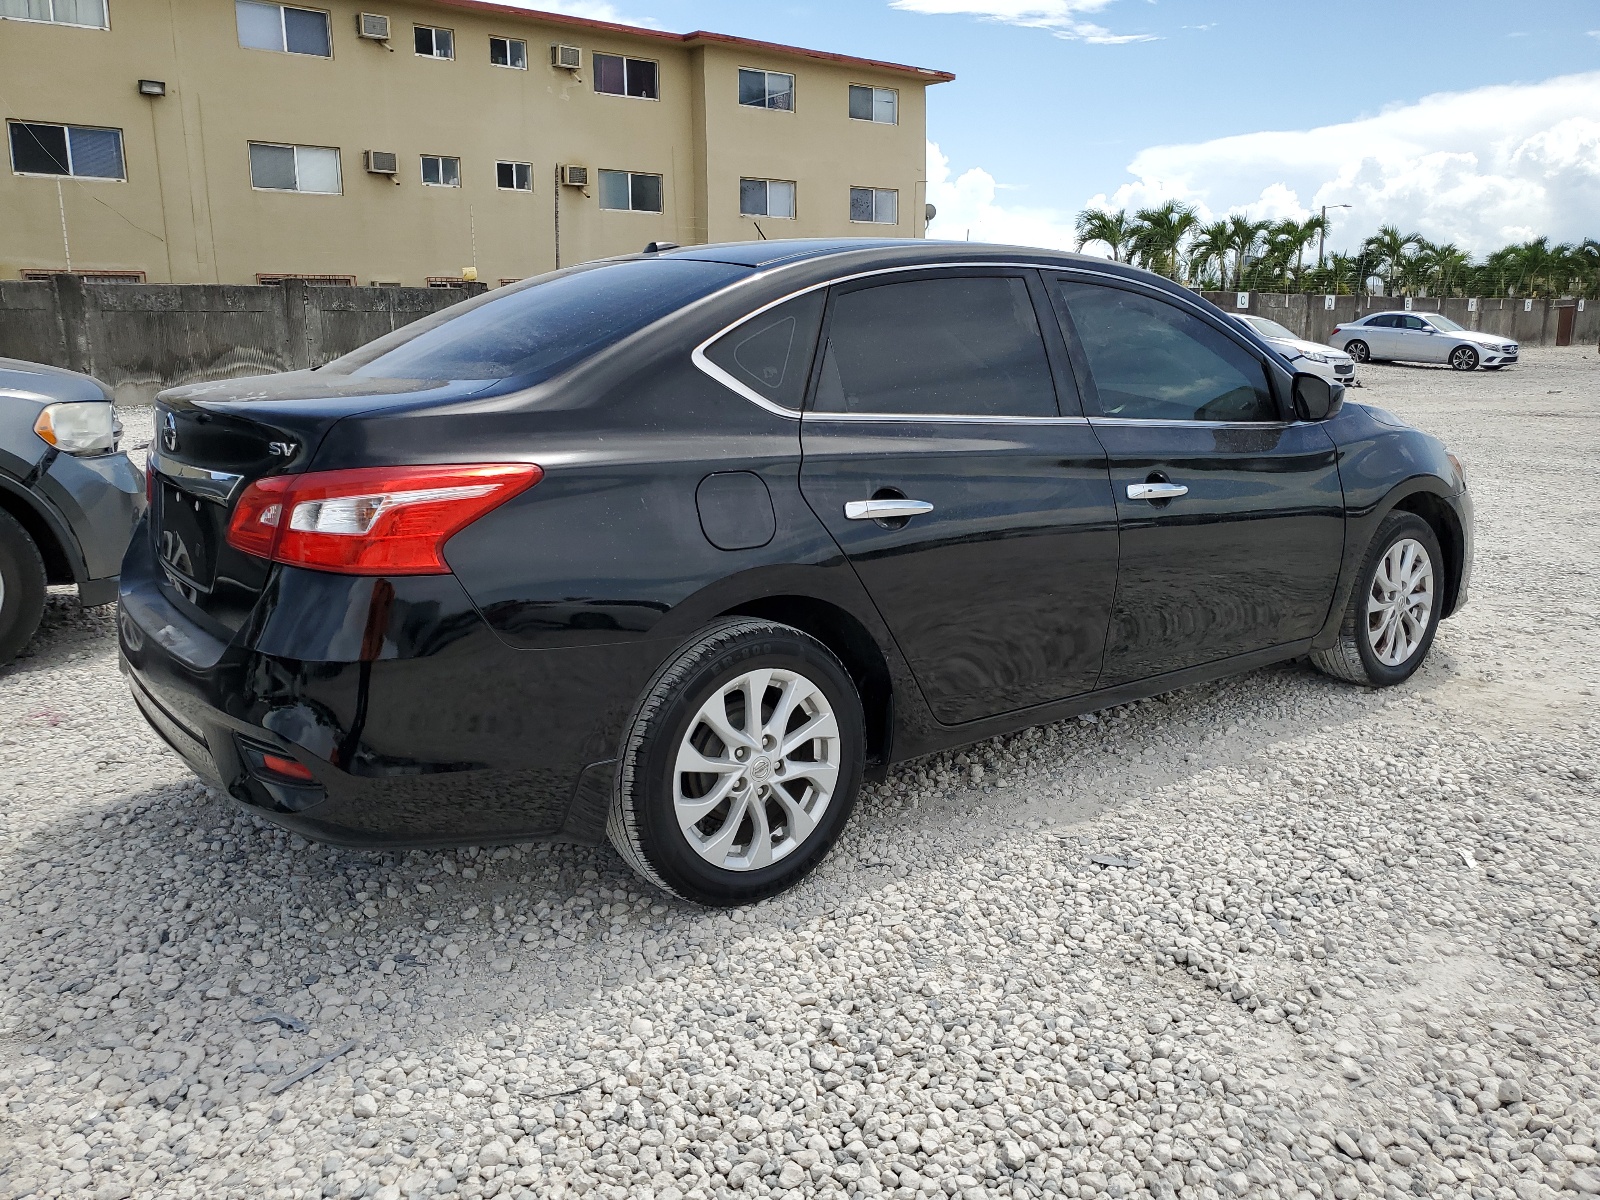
x=22, y=585
x=741, y=765
x=1393, y=612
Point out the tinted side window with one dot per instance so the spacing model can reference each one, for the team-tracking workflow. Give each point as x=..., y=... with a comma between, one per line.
x=1383, y=322
x=1153, y=361
x=960, y=346
x=771, y=354
x=536, y=330
x=1413, y=323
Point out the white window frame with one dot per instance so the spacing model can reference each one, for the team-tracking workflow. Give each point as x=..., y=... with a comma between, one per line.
x=297, y=190
x=768, y=215
x=435, y=31
x=650, y=212
x=876, y=192
x=509, y=41
x=105, y=23
x=513, y=164
x=441, y=159
x=122, y=151
x=764, y=107
x=283, y=29
x=874, y=89
x=624, y=93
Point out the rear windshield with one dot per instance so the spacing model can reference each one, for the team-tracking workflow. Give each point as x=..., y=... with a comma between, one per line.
x=534, y=331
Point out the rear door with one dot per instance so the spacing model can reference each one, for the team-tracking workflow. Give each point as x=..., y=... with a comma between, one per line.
x=1232, y=515
x=975, y=507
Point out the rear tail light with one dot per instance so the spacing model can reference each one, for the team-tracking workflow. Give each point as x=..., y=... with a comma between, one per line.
x=371, y=520
x=1336, y=329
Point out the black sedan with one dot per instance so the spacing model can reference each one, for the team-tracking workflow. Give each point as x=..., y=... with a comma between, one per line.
x=677, y=548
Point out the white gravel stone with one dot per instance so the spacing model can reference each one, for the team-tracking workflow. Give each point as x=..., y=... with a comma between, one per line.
x=1270, y=937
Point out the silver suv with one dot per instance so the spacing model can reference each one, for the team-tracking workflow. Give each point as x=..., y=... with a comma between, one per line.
x=69, y=497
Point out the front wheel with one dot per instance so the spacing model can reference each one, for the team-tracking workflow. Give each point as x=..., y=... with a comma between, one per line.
x=1464, y=358
x=22, y=587
x=741, y=766
x=1394, y=610
x=1358, y=350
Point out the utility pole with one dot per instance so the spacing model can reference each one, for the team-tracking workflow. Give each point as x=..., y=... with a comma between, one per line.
x=1322, y=233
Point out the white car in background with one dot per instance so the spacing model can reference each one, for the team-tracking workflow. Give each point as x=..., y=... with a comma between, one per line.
x=1423, y=338
x=1331, y=364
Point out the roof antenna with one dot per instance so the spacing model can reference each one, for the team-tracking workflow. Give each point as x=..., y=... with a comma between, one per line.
x=757, y=224
x=659, y=247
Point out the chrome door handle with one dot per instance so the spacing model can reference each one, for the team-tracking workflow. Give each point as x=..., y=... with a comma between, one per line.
x=885, y=510
x=1156, y=491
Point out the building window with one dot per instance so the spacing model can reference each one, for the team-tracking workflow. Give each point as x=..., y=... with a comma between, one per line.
x=279, y=27
x=441, y=171
x=766, y=89
x=88, y=276
x=618, y=76
x=766, y=198
x=278, y=168
x=315, y=280
x=627, y=191
x=90, y=14
x=880, y=206
x=874, y=104
x=447, y=282
x=74, y=150
x=508, y=52
x=514, y=176
x=435, y=43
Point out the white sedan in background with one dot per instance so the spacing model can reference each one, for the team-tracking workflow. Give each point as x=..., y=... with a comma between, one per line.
x=1331, y=364
x=1424, y=338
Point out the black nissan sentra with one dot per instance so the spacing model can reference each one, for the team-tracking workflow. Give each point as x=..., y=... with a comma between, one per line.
x=677, y=548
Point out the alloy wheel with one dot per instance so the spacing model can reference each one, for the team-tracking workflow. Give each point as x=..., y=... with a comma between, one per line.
x=757, y=769
x=1400, y=602
x=1358, y=351
x=1463, y=358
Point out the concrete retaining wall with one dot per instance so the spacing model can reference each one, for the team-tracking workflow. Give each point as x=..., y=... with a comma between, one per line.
x=1310, y=318
x=140, y=338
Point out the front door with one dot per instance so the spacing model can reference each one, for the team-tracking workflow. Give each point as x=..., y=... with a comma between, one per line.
x=1418, y=341
x=1232, y=516
x=976, y=511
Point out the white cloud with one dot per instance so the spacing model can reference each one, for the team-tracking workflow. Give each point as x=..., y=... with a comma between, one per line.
x=595, y=10
x=967, y=208
x=1479, y=168
x=1063, y=18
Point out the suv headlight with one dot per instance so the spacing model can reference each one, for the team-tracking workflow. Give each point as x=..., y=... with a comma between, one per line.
x=1314, y=356
x=79, y=427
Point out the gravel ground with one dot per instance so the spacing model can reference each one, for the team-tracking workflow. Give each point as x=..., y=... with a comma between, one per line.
x=1270, y=937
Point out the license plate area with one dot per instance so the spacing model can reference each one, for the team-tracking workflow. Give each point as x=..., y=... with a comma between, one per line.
x=186, y=535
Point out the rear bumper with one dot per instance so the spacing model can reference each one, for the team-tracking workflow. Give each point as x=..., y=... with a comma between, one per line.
x=446, y=737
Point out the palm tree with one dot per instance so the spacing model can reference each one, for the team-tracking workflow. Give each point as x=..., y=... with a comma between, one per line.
x=1158, y=235
x=1243, y=237
x=1209, y=248
x=1111, y=229
x=1390, y=248
x=1443, y=265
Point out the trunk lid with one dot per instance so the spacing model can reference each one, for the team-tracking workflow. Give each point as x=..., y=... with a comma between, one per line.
x=212, y=440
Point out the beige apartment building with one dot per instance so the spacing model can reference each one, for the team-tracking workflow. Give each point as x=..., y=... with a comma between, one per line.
x=237, y=141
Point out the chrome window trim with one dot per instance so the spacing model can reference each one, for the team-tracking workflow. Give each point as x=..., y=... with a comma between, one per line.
x=700, y=360
x=698, y=354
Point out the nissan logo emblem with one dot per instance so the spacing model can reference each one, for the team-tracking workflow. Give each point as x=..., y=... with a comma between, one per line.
x=169, y=432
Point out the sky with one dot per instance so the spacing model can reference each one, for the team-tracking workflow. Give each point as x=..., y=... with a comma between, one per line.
x=1466, y=121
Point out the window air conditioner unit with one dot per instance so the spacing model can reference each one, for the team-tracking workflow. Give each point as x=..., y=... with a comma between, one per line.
x=383, y=162
x=568, y=58
x=372, y=26
x=575, y=176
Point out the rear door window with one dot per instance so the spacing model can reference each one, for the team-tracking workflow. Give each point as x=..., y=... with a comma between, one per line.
x=1152, y=361
x=965, y=345
x=536, y=330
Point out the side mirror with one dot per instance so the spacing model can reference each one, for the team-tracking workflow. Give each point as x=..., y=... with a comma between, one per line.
x=1315, y=399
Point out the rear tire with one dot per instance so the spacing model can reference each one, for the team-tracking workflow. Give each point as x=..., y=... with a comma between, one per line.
x=718, y=808
x=22, y=587
x=1394, y=609
x=1358, y=350
x=1463, y=358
